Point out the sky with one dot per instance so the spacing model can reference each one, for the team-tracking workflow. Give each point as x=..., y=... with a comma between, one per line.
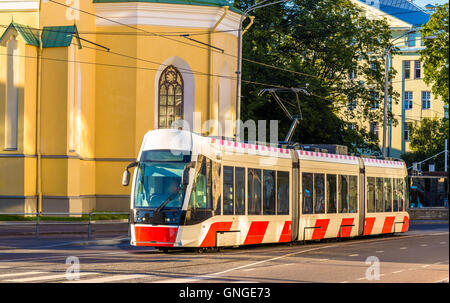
x=422, y=3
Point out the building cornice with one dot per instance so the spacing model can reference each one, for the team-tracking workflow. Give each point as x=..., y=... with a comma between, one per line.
x=161, y=14
x=17, y=5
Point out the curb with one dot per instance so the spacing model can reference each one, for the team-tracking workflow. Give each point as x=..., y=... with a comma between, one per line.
x=412, y=222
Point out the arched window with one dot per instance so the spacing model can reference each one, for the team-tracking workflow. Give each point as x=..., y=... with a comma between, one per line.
x=171, y=99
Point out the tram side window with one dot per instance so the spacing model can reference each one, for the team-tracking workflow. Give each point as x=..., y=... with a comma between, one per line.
x=198, y=199
x=228, y=194
x=283, y=193
x=268, y=192
x=216, y=188
x=307, y=193
x=396, y=197
x=343, y=194
x=239, y=185
x=332, y=194
x=319, y=193
x=254, y=191
x=379, y=196
x=200, y=207
x=371, y=199
x=353, y=194
x=387, y=195
x=405, y=194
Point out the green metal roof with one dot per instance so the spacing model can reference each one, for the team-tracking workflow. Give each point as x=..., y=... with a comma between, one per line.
x=58, y=36
x=25, y=31
x=217, y=3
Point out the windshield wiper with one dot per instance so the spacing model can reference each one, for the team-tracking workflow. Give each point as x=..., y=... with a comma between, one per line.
x=168, y=200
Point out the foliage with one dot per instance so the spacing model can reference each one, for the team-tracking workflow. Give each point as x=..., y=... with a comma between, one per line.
x=436, y=52
x=323, y=42
x=427, y=139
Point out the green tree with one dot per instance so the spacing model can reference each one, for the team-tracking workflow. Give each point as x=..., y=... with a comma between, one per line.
x=427, y=139
x=322, y=42
x=435, y=55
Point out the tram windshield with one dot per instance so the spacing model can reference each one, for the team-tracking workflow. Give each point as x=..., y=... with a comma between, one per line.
x=158, y=182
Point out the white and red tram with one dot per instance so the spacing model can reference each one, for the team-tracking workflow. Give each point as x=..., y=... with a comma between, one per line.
x=194, y=191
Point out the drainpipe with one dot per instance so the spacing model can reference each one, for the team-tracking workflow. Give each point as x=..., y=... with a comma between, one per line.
x=210, y=66
x=38, y=118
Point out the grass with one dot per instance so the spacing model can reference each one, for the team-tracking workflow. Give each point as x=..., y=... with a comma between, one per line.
x=64, y=218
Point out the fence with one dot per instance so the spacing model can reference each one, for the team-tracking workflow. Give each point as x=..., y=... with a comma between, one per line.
x=89, y=222
x=428, y=191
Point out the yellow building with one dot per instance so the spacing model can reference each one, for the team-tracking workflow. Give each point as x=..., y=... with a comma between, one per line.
x=80, y=85
x=416, y=99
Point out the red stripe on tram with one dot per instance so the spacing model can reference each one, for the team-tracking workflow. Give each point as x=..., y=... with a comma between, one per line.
x=256, y=232
x=210, y=238
x=405, y=226
x=286, y=232
x=319, y=233
x=368, y=226
x=345, y=231
x=387, y=226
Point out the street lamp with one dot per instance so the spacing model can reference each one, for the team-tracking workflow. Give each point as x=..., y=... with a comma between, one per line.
x=239, y=57
x=386, y=80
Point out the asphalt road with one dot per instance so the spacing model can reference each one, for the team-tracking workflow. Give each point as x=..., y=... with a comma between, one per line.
x=420, y=255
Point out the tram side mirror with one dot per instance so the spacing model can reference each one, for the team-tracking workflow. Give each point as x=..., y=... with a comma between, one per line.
x=126, y=178
x=185, y=177
x=126, y=173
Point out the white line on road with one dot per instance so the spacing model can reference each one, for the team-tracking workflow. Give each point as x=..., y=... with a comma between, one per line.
x=380, y=251
x=109, y=279
x=214, y=275
x=353, y=255
x=398, y=271
x=423, y=245
x=23, y=273
x=403, y=247
x=426, y=265
x=51, y=277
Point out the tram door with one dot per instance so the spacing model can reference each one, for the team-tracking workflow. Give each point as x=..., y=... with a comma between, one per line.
x=295, y=192
x=362, y=196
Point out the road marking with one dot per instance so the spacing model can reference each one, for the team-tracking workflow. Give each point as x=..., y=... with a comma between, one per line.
x=423, y=245
x=353, y=255
x=109, y=279
x=356, y=242
x=86, y=255
x=359, y=279
x=380, y=251
x=426, y=265
x=398, y=271
x=250, y=269
x=214, y=275
x=23, y=273
x=322, y=260
x=51, y=277
x=403, y=247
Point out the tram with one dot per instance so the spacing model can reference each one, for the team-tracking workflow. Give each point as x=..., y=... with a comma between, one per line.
x=202, y=192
